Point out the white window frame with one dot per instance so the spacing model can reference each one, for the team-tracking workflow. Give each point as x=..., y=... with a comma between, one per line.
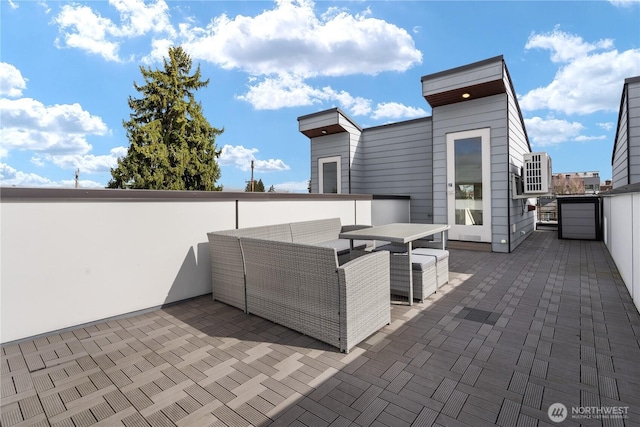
x=321, y=162
x=457, y=232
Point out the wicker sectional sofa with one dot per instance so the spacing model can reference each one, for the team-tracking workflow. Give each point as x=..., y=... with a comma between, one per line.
x=290, y=274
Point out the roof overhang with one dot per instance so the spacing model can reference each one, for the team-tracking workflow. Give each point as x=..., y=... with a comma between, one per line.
x=323, y=131
x=466, y=93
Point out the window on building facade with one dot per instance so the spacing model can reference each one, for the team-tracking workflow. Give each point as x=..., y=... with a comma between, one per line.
x=329, y=175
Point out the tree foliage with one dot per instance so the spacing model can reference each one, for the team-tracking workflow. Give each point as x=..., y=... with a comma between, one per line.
x=258, y=186
x=172, y=145
x=567, y=185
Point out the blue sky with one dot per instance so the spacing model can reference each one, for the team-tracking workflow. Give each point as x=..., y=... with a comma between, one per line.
x=67, y=69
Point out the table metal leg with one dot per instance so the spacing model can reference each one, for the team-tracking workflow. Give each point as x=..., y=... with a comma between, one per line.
x=409, y=247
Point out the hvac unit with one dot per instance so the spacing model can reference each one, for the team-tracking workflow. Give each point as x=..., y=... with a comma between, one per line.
x=537, y=174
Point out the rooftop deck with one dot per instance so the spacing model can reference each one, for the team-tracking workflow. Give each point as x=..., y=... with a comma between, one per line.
x=510, y=335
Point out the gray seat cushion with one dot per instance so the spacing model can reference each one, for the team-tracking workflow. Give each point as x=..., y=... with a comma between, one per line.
x=440, y=254
x=422, y=262
x=342, y=245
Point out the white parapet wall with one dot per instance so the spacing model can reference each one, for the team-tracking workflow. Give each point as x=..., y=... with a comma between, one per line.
x=70, y=257
x=621, y=224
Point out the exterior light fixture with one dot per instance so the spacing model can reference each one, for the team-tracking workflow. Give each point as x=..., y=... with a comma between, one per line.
x=466, y=95
x=324, y=131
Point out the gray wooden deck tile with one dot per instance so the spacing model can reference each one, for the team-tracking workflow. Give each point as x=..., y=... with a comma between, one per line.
x=370, y=413
x=83, y=419
x=174, y=412
x=117, y=400
x=471, y=374
x=229, y=417
x=158, y=419
x=102, y=411
x=508, y=413
x=367, y=398
x=138, y=399
x=444, y=390
x=565, y=331
x=454, y=403
x=608, y=387
x=533, y=395
x=10, y=415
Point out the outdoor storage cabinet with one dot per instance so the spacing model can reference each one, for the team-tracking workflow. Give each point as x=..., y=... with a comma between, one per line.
x=579, y=218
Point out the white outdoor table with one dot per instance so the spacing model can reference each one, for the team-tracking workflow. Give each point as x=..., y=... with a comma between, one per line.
x=404, y=233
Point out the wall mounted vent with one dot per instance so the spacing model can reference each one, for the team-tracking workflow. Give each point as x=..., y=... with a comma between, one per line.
x=537, y=174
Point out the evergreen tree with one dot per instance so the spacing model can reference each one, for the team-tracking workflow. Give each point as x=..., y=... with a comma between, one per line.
x=258, y=186
x=172, y=145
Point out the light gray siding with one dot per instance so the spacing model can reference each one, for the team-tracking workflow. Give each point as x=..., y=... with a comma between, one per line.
x=620, y=169
x=519, y=215
x=354, y=144
x=480, y=113
x=625, y=161
x=318, y=120
x=468, y=77
x=396, y=160
x=634, y=131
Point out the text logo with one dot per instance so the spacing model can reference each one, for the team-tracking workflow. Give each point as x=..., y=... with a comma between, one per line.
x=557, y=412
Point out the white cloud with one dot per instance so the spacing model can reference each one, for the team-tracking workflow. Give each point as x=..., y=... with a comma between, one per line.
x=551, y=131
x=588, y=81
x=288, y=90
x=584, y=138
x=82, y=28
x=11, y=177
x=11, y=81
x=291, y=38
x=28, y=124
x=90, y=163
x=241, y=157
x=13, y=4
x=395, y=110
x=606, y=126
x=292, y=187
x=624, y=3
x=357, y=106
x=565, y=46
x=284, y=90
x=138, y=18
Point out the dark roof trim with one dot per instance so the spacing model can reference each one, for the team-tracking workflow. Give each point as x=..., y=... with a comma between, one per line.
x=463, y=68
x=631, y=188
x=513, y=92
x=633, y=80
x=16, y=194
x=331, y=110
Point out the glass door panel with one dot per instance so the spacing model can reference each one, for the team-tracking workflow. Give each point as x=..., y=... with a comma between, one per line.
x=469, y=185
x=468, y=181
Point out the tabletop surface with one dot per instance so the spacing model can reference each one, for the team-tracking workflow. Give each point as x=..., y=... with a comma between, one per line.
x=396, y=232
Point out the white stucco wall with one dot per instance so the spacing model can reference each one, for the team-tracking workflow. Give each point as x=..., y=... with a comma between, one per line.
x=65, y=262
x=622, y=237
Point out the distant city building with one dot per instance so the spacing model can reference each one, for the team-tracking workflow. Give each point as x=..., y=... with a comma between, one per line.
x=576, y=183
x=605, y=186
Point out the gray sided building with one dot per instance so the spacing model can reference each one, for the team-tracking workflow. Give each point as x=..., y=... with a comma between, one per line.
x=625, y=161
x=456, y=165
